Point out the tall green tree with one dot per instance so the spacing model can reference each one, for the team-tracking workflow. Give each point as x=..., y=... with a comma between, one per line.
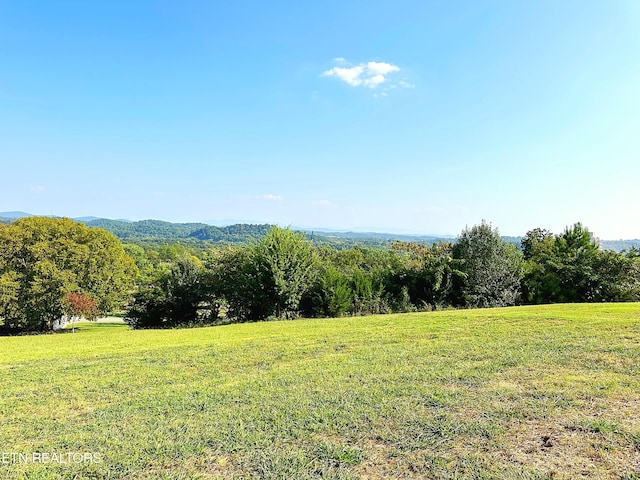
x=246, y=289
x=267, y=278
x=618, y=277
x=286, y=262
x=576, y=253
x=540, y=283
x=43, y=259
x=536, y=242
x=571, y=267
x=492, y=268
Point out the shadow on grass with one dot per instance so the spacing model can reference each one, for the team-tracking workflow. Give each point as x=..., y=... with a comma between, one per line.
x=86, y=326
x=6, y=331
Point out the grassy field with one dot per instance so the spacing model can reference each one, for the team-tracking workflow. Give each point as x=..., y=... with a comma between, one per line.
x=515, y=393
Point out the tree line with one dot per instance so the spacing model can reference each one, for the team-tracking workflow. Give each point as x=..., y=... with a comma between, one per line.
x=57, y=268
x=284, y=275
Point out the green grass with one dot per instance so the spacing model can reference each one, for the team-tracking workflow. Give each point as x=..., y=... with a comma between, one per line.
x=521, y=393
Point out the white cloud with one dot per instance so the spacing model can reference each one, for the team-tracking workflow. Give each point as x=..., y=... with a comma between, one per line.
x=351, y=75
x=38, y=189
x=271, y=197
x=368, y=75
x=321, y=203
x=381, y=68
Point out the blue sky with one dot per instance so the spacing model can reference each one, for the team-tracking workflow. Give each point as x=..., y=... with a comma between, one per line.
x=405, y=116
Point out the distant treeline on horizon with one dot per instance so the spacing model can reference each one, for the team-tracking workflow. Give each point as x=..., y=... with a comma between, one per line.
x=162, y=231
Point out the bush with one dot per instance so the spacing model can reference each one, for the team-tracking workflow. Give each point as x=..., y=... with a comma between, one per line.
x=181, y=297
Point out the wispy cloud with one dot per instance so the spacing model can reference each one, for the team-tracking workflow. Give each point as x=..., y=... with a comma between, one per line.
x=367, y=75
x=404, y=84
x=321, y=203
x=38, y=189
x=270, y=197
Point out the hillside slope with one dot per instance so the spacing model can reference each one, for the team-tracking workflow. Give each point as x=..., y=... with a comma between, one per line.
x=527, y=392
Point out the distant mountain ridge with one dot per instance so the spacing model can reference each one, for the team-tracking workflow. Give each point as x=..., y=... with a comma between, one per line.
x=159, y=230
x=14, y=215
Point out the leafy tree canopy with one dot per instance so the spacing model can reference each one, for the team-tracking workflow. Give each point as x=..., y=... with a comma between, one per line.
x=42, y=260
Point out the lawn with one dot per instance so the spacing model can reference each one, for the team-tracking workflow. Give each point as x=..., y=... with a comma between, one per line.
x=515, y=393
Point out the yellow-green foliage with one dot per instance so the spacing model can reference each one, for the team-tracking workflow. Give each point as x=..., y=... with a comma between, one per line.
x=43, y=259
x=527, y=392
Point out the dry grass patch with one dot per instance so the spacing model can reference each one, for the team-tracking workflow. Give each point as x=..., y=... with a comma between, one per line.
x=564, y=449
